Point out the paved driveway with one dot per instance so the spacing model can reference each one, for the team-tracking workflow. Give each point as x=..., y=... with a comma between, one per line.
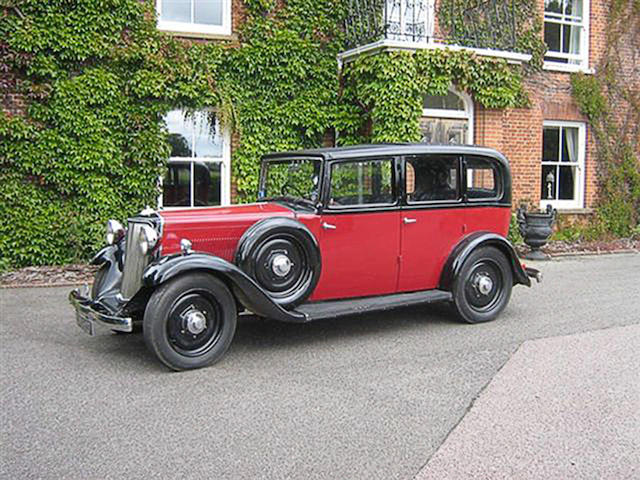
x=360, y=397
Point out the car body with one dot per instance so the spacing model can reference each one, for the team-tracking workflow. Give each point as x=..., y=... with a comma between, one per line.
x=335, y=231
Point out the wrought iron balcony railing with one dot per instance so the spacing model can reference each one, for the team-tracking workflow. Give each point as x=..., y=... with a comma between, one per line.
x=470, y=23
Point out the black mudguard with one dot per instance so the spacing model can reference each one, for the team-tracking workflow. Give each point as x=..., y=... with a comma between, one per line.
x=480, y=239
x=246, y=289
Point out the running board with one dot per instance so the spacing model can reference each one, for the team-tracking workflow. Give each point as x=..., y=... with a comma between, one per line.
x=353, y=306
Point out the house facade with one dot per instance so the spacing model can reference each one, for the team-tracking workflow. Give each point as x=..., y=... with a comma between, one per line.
x=549, y=143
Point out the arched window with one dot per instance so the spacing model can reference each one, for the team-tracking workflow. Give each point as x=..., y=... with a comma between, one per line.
x=447, y=118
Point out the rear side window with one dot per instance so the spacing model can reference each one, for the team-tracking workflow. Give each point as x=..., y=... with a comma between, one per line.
x=432, y=178
x=367, y=182
x=483, y=179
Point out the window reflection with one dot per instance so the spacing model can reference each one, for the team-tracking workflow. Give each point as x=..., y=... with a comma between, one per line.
x=194, y=173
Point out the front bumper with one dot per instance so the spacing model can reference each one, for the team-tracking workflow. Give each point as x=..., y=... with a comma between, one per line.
x=90, y=314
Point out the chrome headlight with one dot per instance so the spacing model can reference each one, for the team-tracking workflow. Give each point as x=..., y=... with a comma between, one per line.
x=115, y=232
x=148, y=239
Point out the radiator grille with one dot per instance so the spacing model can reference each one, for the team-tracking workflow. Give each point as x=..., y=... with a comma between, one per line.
x=134, y=262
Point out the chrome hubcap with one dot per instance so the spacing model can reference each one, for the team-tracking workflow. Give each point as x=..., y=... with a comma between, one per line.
x=483, y=284
x=281, y=265
x=196, y=322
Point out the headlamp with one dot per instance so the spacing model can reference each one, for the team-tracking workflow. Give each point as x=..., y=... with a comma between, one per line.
x=115, y=232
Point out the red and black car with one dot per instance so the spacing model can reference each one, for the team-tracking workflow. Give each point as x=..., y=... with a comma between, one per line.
x=336, y=231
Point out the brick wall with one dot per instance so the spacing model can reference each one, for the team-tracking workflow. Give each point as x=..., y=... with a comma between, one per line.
x=518, y=132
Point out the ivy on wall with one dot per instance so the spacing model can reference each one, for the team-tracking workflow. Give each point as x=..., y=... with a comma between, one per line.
x=492, y=25
x=98, y=78
x=382, y=94
x=612, y=107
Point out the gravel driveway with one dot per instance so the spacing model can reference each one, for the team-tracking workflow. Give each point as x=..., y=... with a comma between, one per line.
x=370, y=397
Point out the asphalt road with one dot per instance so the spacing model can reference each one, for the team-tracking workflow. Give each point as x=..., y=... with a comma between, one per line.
x=370, y=397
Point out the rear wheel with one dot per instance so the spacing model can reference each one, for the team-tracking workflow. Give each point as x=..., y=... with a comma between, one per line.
x=190, y=321
x=483, y=287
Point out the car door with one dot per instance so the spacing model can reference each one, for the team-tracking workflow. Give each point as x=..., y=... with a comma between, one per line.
x=360, y=233
x=432, y=220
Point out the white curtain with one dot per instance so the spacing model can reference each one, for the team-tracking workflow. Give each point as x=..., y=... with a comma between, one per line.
x=571, y=134
x=575, y=30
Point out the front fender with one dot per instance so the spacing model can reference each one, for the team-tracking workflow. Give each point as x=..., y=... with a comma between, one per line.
x=246, y=289
x=105, y=255
x=468, y=244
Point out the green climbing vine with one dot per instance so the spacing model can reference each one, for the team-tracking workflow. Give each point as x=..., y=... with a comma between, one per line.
x=382, y=94
x=492, y=24
x=98, y=78
x=612, y=105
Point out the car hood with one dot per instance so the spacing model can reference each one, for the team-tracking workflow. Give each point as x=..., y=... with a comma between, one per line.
x=214, y=230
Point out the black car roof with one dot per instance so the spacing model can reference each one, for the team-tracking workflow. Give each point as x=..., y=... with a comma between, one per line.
x=389, y=149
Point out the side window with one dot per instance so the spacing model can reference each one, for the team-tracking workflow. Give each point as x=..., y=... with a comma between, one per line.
x=432, y=178
x=483, y=179
x=368, y=182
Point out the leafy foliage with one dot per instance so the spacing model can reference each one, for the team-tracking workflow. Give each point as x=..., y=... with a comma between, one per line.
x=382, y=94
x=98, y=78
x=481, y=24
x=613, y=109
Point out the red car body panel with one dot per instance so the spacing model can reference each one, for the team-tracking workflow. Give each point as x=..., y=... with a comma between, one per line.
x=426, y=244
x=368, y=253
x=490, y=219
x=215, y=230
x=360, y=256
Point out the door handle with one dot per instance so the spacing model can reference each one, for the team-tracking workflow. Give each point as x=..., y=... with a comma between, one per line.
x=328, y=226
x=409, y=220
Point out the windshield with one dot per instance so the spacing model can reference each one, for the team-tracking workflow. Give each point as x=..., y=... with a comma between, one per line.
x=291, y=179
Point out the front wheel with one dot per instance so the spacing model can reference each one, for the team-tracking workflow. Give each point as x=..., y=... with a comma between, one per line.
x=483, y=286
x=190, y=321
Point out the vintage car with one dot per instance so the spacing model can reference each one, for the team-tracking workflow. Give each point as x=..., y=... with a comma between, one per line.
x=335, y=231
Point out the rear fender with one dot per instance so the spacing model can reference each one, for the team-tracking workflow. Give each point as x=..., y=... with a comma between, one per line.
x=247, y=291
x=467, y=245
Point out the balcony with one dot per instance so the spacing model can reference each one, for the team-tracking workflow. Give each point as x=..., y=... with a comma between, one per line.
x=487, y=27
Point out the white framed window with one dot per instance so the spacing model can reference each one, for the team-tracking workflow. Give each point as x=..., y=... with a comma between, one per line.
x=447, y=119
x=198, y=172
x=563, y=154
x=566, y=33
x=212, y=17
x=410, y=20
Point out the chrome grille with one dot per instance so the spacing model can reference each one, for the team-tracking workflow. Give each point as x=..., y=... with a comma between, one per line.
x=134, y=262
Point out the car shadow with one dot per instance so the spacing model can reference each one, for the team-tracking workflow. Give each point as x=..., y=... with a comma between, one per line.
x=256, y=334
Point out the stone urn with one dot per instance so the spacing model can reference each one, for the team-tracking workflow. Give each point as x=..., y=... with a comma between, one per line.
x=536, y=228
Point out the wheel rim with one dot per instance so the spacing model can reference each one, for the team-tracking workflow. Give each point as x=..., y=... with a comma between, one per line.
x=281, y=267
x=484, y=286
x=194, y=323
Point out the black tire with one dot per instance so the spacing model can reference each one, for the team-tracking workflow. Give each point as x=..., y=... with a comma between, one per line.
x=483, y=287
x=281, y=239
x=170, y=321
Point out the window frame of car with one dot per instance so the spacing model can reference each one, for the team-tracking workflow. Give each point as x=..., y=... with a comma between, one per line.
x=499, y=178
x=432, y=203
x=365, y=207
x=287, y=158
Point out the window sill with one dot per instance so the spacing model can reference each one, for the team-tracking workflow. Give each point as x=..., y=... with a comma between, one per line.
x=563, y=67
x=203, y=35
x=576, y=211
